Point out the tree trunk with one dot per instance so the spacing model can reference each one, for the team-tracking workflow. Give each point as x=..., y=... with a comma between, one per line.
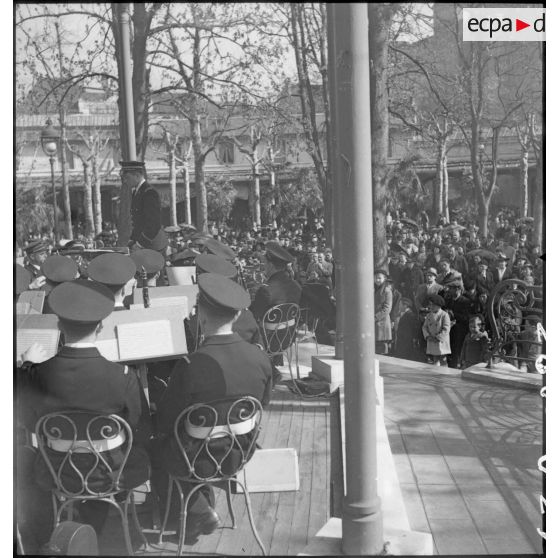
x=256, y=197
x=172, y=184
x=199, y=162
x=187, y=209
x=437, y=203
x=484, y=210
x=87, y=200
x=445, y=184
x=380, y=17
x=97, y=206
x=538, y=210
x=524, y=182
x=68, y=233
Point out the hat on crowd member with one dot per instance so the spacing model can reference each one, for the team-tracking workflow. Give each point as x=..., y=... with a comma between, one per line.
x=210, y=263
x=445, y=260
x=36, y=247
x=222, y=293
x=484, y=262
x=75, y=245
x=23, y=278
x=455, y=282
x=112, y=269
x=437, y=300
x=378, y=271
x=59, y=269
x=431, y=271
x=275, y=253
x=502, y=258
x=159, y=242
x=219, y=249
x=81, y=301
x=173, y=229
x=151, y=260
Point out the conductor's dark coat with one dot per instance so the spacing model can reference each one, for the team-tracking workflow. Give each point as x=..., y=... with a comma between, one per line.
x=225, y=366
x=280, y=288
x=146, y=215
x=81, y=379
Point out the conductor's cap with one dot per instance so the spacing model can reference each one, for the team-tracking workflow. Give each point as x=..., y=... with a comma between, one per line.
x=276, y=253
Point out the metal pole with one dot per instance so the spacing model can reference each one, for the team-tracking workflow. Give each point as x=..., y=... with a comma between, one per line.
x=362, y=516
x=126, y=83
x=54, y=213
x=336, y=79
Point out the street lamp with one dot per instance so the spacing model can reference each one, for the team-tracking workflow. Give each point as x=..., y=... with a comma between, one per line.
x=49, y=143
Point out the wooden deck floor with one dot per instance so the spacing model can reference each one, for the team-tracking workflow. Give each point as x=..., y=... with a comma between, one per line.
x=285, y=520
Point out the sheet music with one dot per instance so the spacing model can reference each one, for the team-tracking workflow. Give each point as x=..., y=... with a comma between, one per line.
x=109, y=349
x=23, y=308
x=144, y=339
x=181, y=275
x=180, y=301
x=35, y=299
x=47, y=338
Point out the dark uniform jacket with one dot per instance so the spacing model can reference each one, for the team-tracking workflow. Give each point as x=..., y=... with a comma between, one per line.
x=280, y=288
x=224, y=367
x=81, y=379
x=35, y=271
x=146, y=215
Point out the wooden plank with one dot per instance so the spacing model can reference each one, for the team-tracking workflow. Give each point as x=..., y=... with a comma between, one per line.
x=264, y=505
x=287, y=501
x=207, y=544
x=319, y=491
x=299, y=526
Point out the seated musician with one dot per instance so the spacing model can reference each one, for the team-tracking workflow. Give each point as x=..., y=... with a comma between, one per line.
x=245, y=325
x=224, y=366
x=149, y=261
x=280, y=288
x=115, y=271
x=79, y=378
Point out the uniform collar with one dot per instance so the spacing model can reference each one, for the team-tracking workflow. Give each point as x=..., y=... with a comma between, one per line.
x=79, y=352
x=138, y=187
x=222, y=339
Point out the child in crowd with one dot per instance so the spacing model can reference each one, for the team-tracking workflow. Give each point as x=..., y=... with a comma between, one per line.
x=476, y=344
x=436, y=331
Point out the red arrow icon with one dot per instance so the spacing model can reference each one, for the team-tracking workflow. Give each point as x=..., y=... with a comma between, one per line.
x=519, y=24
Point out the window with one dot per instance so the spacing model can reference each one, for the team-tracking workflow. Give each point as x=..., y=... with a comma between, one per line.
x=225, y=152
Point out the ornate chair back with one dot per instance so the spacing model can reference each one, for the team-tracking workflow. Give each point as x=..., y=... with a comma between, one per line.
x=217, y=439
x=280, y=326
x=84, y=452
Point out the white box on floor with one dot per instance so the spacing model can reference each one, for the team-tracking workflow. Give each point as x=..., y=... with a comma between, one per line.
x=272, y=470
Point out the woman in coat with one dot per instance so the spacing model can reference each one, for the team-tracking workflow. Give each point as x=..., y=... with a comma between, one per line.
x=436, y=331
x=383, y=300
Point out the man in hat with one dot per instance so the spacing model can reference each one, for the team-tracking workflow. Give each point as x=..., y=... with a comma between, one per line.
x=484, y=278
x=411, y=278
x=224, y=366
x=36, y=253
x=149, y=262
x=457, y=261
x=57, y=269
x=115, y=271
x=460, y=309
x=424, y=290
x=447, y=274
x=245, y=325
x=79, y=378
x=280, y=288
x=145, y=209
x=501, y=272
x=383, y=300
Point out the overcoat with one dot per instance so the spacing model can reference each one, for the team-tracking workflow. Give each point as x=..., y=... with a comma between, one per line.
x=383, y=300
x=437, y=325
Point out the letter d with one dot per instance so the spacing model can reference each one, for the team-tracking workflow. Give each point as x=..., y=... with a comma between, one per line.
x=538, y=26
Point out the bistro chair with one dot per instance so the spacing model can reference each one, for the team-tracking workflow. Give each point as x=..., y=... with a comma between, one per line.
x=279, y=331
x=216, y=440
x=86, y=454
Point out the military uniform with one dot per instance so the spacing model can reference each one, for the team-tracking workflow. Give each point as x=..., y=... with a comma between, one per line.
x=146, y=218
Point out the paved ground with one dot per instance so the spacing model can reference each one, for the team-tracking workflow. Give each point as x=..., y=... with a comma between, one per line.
x=466, y=456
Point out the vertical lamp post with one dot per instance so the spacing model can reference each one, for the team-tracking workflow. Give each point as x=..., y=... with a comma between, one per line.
x=49, y=142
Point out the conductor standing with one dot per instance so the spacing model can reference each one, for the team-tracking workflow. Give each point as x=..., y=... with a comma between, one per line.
x=147, y=231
